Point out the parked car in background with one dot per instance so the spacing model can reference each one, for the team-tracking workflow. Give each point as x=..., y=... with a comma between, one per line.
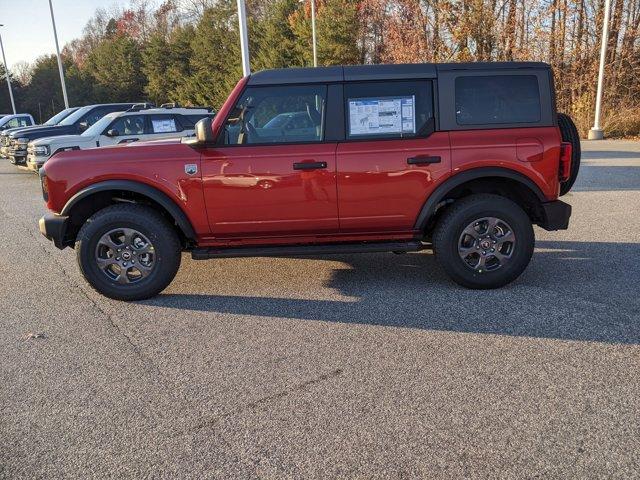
x=136, y=124
x=18, y=120
x=462, y=158
x=74, y=124
x=4, y=134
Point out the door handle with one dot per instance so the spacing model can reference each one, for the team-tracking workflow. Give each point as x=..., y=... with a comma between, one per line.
x=423, y=159
x=309, y=165
x=128, y=140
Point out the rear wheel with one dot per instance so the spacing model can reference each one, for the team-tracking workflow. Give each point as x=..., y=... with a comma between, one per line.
x=570, y=134
x=484, y=241
x=128, y=252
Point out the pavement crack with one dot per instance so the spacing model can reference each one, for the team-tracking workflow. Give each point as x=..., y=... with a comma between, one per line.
x=264, y=400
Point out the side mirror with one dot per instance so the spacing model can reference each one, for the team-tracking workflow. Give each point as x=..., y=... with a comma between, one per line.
x=113, y=133
x=204, y=134
x=83, y=126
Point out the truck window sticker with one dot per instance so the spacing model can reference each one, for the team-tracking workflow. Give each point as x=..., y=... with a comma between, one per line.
x=382, y=116
x=164, y=125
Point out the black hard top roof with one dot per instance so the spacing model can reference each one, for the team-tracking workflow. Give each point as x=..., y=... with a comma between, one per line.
x=378, y=72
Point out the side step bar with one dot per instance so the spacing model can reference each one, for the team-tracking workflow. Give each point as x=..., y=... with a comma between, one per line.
x=307, y=250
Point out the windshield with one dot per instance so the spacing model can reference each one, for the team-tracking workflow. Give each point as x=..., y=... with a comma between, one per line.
x=100, y=125
x=75, y=116
x=59, y=116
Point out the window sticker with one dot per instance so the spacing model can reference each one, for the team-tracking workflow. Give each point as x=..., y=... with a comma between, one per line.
x=166, y=125
x=382, y=115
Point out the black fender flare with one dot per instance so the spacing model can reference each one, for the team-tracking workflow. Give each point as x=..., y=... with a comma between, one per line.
x=154, y=194
x=429, y=207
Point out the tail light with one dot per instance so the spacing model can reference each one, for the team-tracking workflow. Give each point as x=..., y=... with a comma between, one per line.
x=566, y=151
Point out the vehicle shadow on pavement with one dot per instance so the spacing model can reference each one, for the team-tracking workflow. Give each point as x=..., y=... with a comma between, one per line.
x=571, y=291
x=593, y=178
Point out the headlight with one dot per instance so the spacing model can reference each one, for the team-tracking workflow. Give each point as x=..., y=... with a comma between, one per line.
x=22, y=141
x=42, y=150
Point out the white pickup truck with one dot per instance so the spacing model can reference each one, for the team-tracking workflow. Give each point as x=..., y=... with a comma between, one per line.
x=136, y=124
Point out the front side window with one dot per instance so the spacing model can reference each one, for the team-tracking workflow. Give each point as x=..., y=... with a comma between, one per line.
x=399, y=109
x=129, y=125
x=497, y=99
x=286, y=114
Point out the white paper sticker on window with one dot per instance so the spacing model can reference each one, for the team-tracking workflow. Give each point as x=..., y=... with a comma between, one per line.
x=382, y=115
x=166, y=125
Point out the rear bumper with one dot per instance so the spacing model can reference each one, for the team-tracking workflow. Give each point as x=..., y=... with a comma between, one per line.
x=555, y=215
x=54, y=228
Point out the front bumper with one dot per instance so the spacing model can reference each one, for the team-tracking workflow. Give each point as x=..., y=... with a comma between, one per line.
x=54, y=228
x=35, y=163
x=555, y=215
x=18, y=157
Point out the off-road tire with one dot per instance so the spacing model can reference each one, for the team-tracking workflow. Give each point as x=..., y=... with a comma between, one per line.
x=464, y=212
x=147, y=221
x=570, y=134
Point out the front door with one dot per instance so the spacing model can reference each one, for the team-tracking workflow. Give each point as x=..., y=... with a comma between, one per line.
x=124, y=129
x=392, y=158
x=271, y=173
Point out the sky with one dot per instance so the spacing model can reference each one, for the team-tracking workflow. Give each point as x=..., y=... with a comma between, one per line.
x=27, y=31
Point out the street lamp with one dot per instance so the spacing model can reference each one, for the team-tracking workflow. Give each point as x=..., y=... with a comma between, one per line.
x=313, y=31
x=244, y=38
x=6, y=74
x=596, y=132
x=60, y=69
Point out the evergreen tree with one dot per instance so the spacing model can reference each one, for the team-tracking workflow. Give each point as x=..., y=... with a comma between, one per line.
x=337, y=33
x=116, y=67
x=215, y=63
x=156, y=60
x=277, y=48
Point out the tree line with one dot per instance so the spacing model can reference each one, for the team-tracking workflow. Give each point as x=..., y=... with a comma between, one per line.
x=188, y=51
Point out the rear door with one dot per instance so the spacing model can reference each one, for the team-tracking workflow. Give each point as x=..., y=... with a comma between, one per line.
x=391, y=158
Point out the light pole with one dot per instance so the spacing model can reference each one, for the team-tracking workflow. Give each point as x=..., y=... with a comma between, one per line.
x=596, y=132
x=60, y=69
x=244, y=38
x=6, y=74
x=313, y=31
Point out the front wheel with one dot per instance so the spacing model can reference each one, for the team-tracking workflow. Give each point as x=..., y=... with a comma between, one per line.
x=128, y=252
x=484, y=241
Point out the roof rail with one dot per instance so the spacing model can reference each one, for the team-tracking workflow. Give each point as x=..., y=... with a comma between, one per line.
x=141, y=106
x=177, y=105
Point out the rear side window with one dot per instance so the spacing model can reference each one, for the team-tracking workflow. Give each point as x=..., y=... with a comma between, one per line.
x=497, y=99
x=163, y=124
x=401, y=109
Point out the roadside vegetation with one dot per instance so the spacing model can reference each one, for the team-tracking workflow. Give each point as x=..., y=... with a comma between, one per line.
x=188, y=50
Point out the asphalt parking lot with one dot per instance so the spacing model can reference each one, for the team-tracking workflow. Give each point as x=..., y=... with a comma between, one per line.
x=350, y=366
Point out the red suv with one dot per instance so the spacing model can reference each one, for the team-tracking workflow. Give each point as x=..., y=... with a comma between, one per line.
x=460, y=158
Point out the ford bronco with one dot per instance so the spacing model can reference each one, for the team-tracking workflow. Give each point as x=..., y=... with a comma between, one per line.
x=460, y=158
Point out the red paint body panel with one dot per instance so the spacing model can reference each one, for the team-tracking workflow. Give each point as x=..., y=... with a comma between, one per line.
x=498, y=148
x=378, y=190
x=157, y=164
x=255, y=191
